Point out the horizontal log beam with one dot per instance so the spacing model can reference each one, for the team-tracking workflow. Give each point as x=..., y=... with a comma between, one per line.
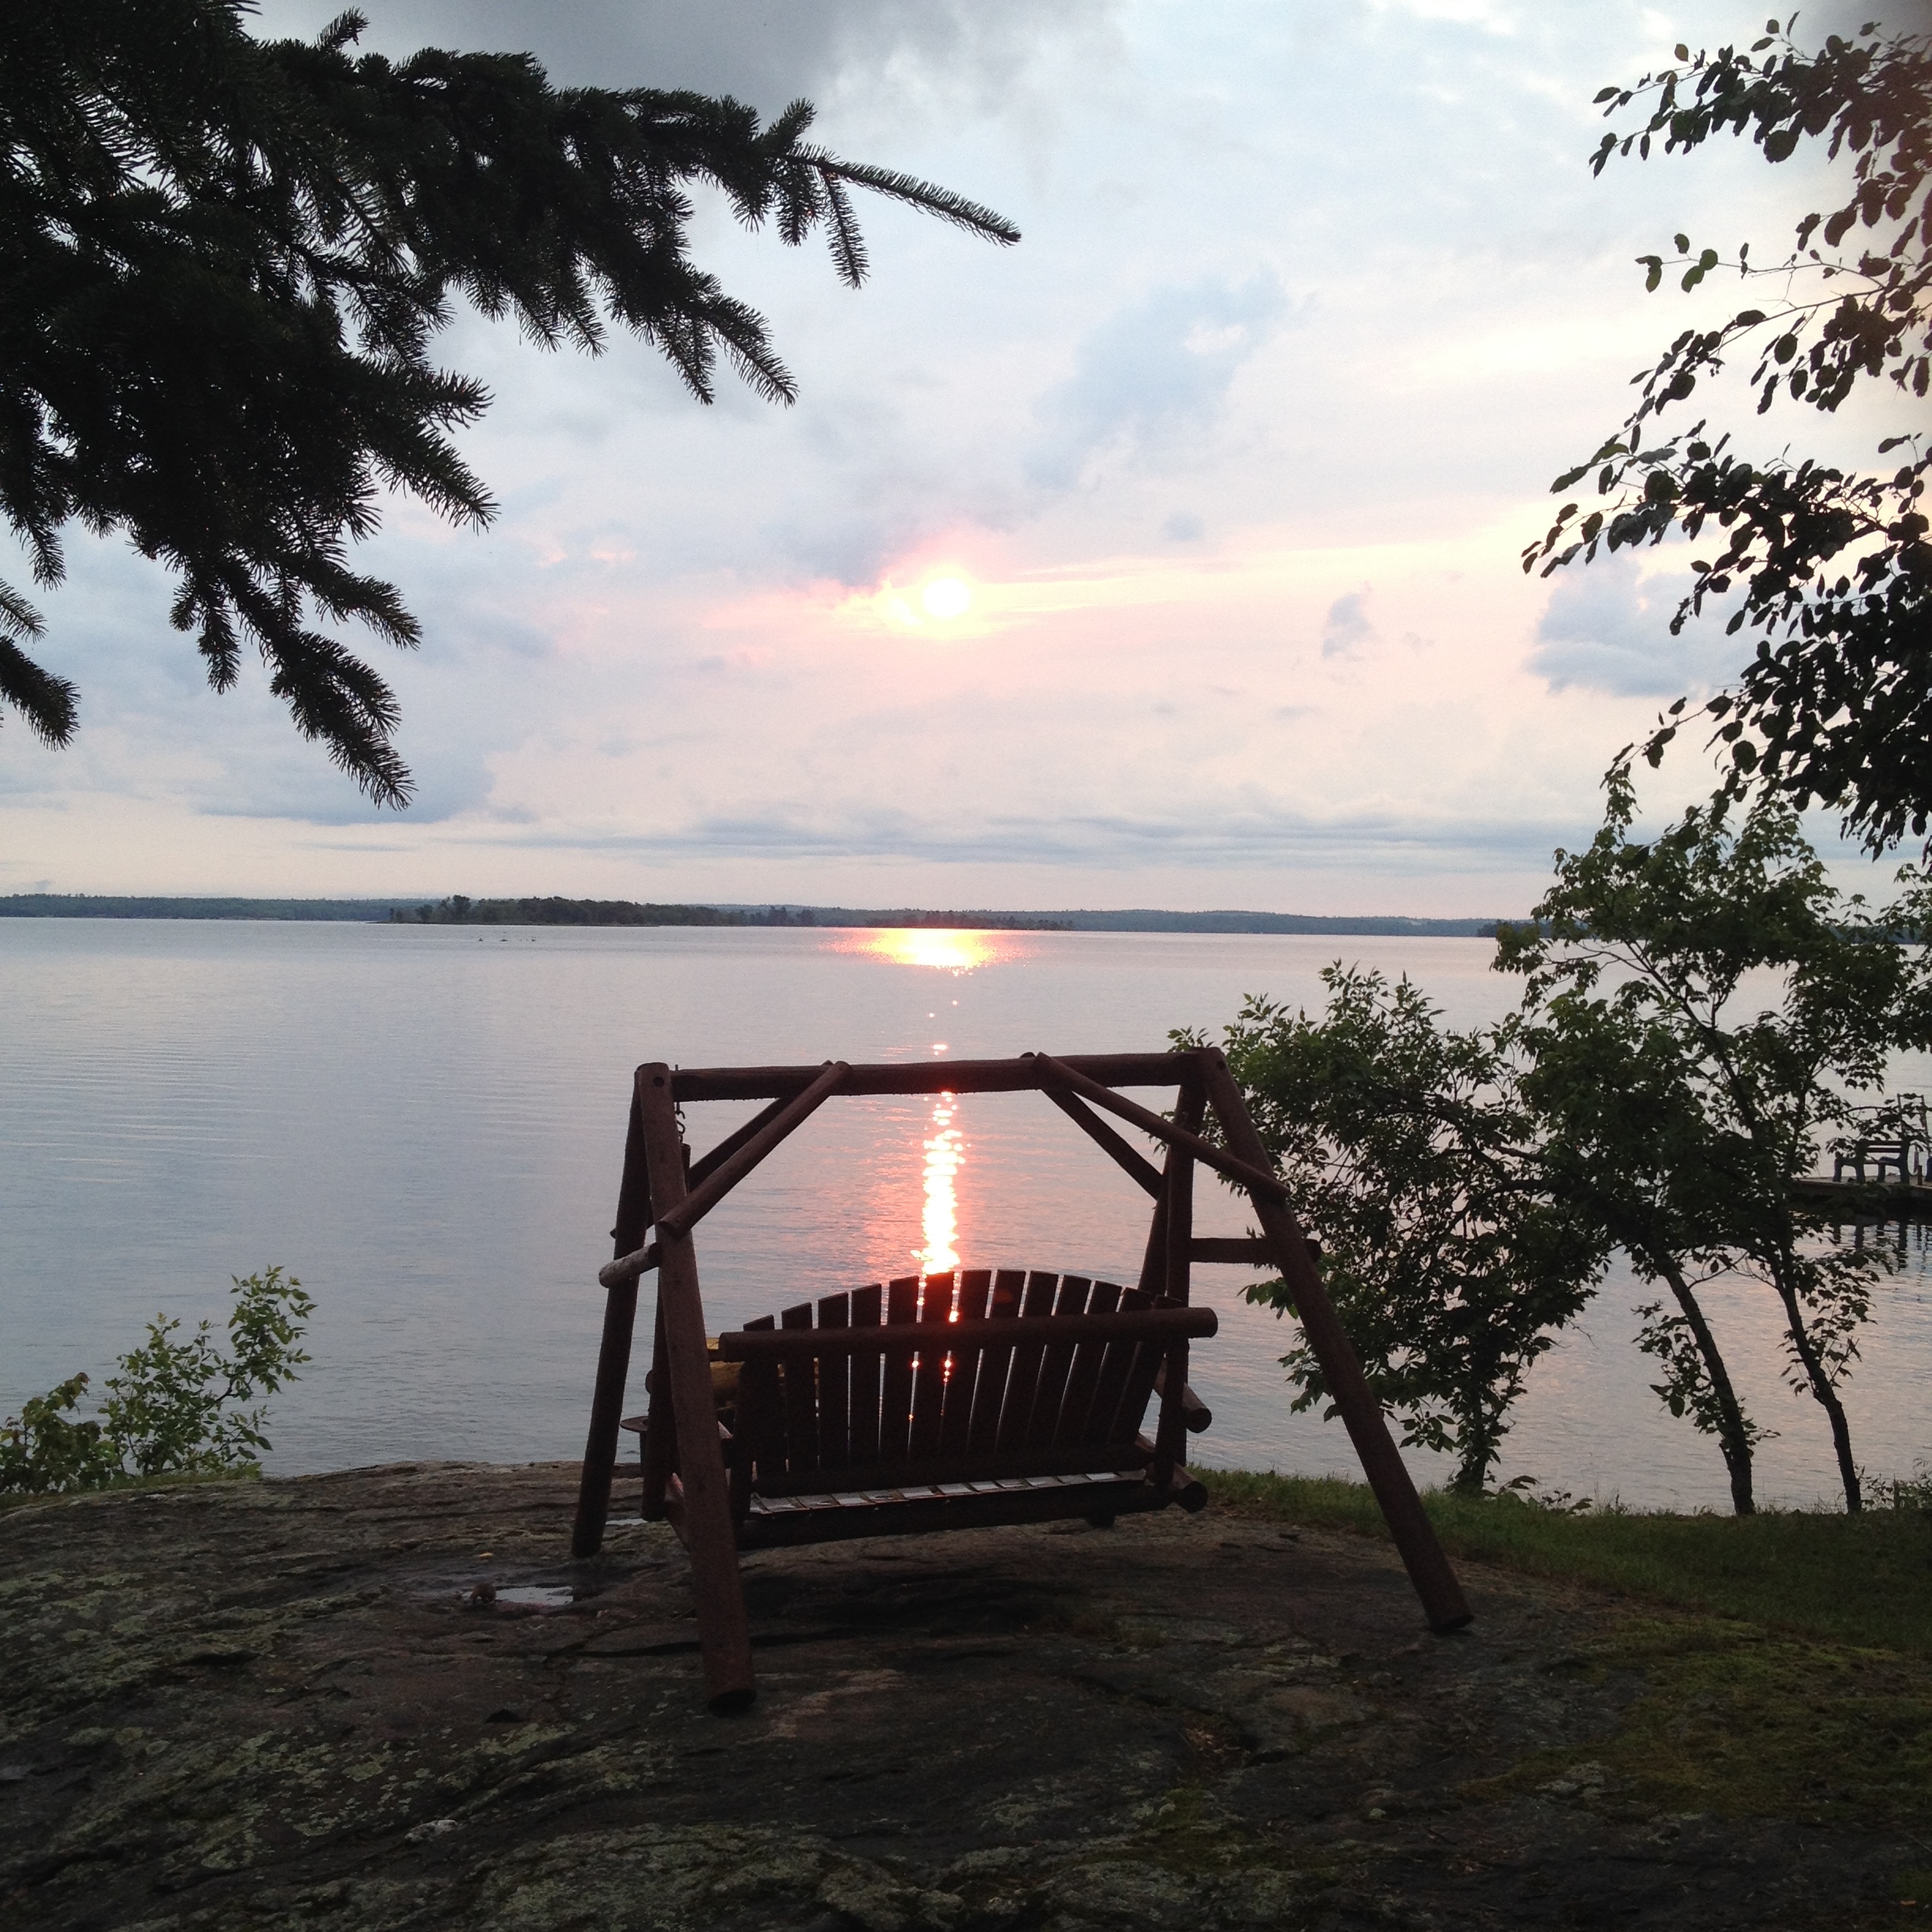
x=932, y=1076
x=949, y=1338
x=1249, y=1250
x=1240, y=1250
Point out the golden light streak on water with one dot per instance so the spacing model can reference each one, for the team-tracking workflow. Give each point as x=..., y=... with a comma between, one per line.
x=940, y=947
x=946, y=1151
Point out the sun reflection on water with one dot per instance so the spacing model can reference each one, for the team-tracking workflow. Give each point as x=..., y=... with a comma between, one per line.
x=945, y=1149
x=944, y=949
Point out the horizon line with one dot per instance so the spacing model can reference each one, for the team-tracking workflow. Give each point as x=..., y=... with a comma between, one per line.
x=798, y=913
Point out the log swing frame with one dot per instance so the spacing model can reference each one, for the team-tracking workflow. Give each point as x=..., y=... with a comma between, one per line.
x=664, y=1194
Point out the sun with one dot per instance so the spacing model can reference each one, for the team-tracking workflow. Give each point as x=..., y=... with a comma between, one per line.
x=945, y=597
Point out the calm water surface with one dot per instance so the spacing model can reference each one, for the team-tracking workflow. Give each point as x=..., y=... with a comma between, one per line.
x=426, y=1125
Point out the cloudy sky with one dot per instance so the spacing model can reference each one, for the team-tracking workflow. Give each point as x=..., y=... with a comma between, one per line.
x=1233, y=456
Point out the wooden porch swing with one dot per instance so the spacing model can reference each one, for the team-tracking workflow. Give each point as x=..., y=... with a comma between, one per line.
x=865, y=1422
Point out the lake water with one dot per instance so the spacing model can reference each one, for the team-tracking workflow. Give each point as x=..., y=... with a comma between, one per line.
x=425, y=1125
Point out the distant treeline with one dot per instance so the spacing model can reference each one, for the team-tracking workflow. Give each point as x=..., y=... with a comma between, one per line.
x=1372, y=925
x=457, y=910
x=89, y=905
x=1143, y=919
x=955, y=921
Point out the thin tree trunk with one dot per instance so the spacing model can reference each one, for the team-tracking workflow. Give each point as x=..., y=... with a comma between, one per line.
x=1480, y=1435
x=1480, y=1446
x=1733, y=1437
x=1822, y=1389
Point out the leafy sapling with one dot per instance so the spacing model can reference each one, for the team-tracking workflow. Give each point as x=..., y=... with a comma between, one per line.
x=41, y=1451
x=177, y=1406
x=1412, y=1160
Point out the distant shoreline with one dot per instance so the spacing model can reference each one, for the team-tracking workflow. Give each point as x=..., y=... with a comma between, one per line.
x=584, y=912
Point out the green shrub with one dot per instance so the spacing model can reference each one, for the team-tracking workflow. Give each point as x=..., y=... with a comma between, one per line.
x=177, y=1407
x=41, y=1451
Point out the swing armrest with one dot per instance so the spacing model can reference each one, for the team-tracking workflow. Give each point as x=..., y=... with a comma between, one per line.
x=1194, y=1411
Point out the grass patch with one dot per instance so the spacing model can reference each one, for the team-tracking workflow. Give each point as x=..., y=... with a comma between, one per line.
x=1739, y=1722
x=1798, y=1686
x=1863, y=1580
x=1736, y=1722
x=183, y=1479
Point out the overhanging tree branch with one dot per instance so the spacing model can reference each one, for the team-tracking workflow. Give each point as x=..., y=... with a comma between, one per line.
x=1831, y=569
x=222, y=262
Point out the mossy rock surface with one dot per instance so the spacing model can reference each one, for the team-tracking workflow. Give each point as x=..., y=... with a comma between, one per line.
x=289, y=1704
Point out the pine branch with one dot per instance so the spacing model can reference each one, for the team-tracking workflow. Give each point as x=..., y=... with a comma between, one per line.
x=228, y=258
x=50, y=705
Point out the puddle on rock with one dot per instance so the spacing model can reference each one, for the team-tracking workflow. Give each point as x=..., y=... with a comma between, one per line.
x=532, y=1597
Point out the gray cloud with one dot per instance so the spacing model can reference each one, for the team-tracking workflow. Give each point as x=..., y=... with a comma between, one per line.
x=766, y=52
x=1157, y=368
x=1105, y=839
x=1347, y=626
x=1608, y=629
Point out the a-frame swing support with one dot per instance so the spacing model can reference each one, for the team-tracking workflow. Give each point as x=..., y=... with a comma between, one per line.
x=665, y=1193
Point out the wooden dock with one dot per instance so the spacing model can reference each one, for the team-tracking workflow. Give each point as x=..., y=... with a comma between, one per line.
x=1871, y=1200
